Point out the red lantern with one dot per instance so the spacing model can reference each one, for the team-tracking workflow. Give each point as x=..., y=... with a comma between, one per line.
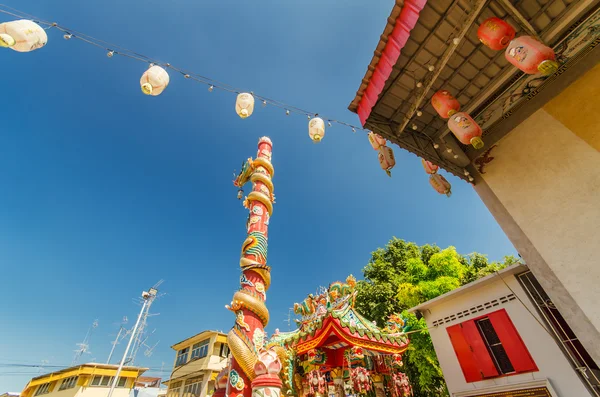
x=531, y=56
x=440, y=184
x=376, y=141
x=466, y=130
x=445, y=104
x=495, y=33
x=430, y=168
x=386, y=159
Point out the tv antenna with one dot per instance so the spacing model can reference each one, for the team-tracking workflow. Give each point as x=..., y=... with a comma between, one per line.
x=84, y=347
x=137, y=337
x=116, y=342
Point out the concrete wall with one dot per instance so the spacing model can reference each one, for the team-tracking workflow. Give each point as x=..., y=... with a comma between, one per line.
x=543, y=188
x=550, y=360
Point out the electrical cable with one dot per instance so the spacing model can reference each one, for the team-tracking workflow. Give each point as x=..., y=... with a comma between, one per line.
x=114, y=49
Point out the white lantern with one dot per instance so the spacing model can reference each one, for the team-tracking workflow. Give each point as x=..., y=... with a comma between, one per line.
x=244, y=105
x=22, y=35
x=154, y=81
x=316, y=129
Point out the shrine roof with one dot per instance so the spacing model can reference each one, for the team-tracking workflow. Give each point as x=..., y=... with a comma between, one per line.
x=333, y=322
x=488, y=87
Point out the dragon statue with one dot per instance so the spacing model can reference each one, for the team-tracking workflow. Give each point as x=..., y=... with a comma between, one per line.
x=246, y=339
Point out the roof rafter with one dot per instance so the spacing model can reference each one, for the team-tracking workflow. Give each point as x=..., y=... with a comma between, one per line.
x=477, y=7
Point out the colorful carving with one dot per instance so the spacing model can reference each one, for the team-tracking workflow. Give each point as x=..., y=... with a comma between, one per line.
x=316, y=357
x=247, y=338
x=258, y=338
x=22, y=35
x=531, y=56
x=361, y=383
x=444, y=103
x=399, y=385
x=495, y=33
x=394, y=324
x=440, y=184
x=316, y=383
x=355, y=355
x=429, y=167
x=465, y=129
x=386, y=159
x=256, y=246
x=306, y=307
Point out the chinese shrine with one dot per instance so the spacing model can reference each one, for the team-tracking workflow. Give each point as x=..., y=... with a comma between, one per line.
x=336, y=351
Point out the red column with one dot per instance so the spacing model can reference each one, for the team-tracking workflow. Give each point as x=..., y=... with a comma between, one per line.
x=247, y=336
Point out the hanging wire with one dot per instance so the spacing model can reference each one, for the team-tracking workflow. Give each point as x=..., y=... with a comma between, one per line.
x=114, y=49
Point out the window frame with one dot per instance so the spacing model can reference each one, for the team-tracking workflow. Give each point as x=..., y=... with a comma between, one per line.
x=201, y=348
x=472, y=351
x=182, y=356
x=122, y=379
x=42, y=389
x=68, y=383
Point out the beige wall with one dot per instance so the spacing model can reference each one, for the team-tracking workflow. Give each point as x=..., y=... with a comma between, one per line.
x=543, y=188
x=550, y=360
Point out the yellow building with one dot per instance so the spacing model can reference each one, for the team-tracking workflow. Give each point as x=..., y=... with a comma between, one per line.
x=198, y=360
x=85, y=380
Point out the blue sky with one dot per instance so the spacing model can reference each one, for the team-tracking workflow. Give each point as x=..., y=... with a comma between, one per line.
x=106, y=191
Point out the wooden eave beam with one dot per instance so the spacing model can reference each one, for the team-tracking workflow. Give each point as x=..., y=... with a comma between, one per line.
x=429, y=81
x=512, y=10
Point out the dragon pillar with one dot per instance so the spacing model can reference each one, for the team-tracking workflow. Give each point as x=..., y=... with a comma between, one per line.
x=246, y=339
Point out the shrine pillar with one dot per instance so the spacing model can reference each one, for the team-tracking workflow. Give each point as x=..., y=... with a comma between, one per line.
x=246, y=339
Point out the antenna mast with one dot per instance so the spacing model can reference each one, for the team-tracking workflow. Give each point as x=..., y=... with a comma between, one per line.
x=84, y=347
x=140, y=336
x=116, y=342
x=147, y=297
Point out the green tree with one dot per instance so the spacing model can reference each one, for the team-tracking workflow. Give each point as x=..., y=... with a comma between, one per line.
x=403, y=275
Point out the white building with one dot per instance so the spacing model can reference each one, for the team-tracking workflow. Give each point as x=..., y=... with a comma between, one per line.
x=502, y=336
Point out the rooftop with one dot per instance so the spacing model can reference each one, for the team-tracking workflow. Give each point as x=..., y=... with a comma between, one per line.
x=418, y=46
x=200, y=335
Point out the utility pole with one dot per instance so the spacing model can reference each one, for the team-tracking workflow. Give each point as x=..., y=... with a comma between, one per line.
x=148, y=297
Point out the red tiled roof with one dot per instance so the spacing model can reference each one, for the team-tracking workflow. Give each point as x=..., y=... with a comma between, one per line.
x=402, y=20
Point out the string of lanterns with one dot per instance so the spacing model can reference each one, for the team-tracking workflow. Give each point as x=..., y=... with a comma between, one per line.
x=25, y=35
x=525, y=52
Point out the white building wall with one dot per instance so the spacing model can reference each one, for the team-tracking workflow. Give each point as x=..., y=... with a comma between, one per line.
x=550, y=360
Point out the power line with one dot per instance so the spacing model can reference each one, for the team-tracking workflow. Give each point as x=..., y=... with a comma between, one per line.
x=114, y=49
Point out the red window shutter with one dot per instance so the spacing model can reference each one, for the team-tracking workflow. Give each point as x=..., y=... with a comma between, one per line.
x=480, y=352
x=515, y=349
x=464, y=354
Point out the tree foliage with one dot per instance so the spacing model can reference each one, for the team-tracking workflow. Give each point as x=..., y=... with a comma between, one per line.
x=403, y=275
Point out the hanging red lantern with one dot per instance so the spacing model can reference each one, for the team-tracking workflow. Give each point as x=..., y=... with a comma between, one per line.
x=440, y=184
x=430, y=168
x=386, y=159
x=466, y=130
x=495, y=33
x=444, y=103
x=376, y=140
x=531, y=56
